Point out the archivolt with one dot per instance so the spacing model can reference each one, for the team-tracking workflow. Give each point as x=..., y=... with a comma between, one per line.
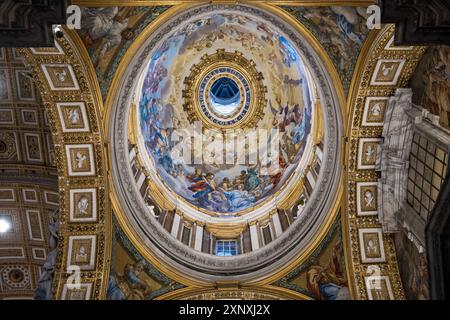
x=70, y=92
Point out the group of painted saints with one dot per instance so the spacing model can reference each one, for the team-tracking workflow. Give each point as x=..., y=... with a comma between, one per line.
x=228, y=195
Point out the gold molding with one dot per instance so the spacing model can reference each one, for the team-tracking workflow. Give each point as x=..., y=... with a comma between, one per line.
x=145, y=252
x=305, y=3
x=224, y=59
x=132, y=125
x=87, y=91
x=296, y=189
x=255, y=292
x=303, y=256
x=353, y=90
x=362, y=87
x=226, y=230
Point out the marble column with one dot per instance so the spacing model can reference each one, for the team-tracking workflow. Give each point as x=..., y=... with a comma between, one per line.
x=175, y=225
x=198, y=237
x=254, y=237
x=277, y=224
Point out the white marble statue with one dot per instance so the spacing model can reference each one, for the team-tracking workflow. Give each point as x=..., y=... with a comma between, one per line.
x=81, y=256
x=44, y=286
x=371, y=247
x=370, y=152
x=376, y=110
x=83, y=205
x=61, y=75
x=386, y=71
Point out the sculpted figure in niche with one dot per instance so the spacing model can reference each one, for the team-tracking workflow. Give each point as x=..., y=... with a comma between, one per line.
x=61, y=75
x=80, y=159
x=370, y=152
x=376, y=110
x=369, y=199
x=386, y=71
x=81, y=256
x=371, y=248
x=44, y=287
x=74, y=116
x=377, y=292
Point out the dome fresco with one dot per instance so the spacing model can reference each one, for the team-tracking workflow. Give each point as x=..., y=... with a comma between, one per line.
x=226, y=187
x=223, y=150
x=228, y=162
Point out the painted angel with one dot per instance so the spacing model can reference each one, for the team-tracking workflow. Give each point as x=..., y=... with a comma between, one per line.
x=107, y=25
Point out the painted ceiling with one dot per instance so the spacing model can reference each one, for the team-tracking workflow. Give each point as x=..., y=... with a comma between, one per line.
x=28, y=180
x=219, y=186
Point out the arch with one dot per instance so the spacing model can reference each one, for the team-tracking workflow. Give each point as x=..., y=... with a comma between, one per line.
x=245, y=293
x=116, y=98
x=372, y=83
x=71, y=96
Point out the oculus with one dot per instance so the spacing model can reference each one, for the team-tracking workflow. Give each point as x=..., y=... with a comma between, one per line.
x=220, y=96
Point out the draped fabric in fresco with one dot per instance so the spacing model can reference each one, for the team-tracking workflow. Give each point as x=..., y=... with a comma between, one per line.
x=131, y=276
x=108, y=32
x=341, y=31
x=413, y=268
x=225, y=188
x=323, y=275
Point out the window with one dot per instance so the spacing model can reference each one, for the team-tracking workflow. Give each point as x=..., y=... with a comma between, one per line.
x=186, y=235
x=226, y=248
x=225, y=96
x=267, y=236
x=428, y=166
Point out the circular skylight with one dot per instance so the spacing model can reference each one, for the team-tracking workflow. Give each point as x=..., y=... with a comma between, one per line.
x=225, y=96
x=232, y=174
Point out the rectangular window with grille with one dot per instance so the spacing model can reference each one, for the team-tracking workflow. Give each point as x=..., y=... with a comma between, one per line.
x=226, y=248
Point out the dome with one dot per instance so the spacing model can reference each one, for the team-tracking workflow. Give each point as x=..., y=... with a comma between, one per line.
x=224, y=156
